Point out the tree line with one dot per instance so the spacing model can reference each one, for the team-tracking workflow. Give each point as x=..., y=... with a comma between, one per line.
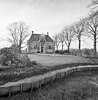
x=87, y=26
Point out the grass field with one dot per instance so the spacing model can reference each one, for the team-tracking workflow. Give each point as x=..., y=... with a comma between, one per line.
x=78, y=86
x=48, y=63
x=53, y=60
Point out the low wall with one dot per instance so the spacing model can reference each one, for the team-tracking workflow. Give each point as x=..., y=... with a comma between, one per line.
x=16, y=87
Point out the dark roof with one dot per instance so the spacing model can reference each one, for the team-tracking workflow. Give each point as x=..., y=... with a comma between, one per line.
x=36, y=37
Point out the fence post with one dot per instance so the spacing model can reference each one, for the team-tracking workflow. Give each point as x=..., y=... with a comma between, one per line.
x=31, y=86
x=20, y=88
x=10, y=88
x=40, y=84
x=46, y=81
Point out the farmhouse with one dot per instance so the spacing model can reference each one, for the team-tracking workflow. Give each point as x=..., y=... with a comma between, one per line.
x=40, y=43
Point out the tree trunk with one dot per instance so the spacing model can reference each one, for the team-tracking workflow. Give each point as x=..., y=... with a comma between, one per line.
x=62, y=46
x=20, y=43
x=79, y=46
x=68, y=49
x=57, y=48
x=19, y=49
x=95, y=49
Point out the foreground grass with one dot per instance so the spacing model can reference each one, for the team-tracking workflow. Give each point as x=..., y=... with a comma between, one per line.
x=18, y=73
x=47, y=63
x=75, y=87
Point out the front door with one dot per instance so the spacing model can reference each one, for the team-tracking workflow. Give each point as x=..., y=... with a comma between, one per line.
x=41, y=49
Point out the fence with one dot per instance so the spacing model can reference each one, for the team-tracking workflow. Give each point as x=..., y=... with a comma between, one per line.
x=30, y=85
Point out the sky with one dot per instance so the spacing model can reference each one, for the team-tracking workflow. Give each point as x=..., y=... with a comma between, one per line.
x=41, y=15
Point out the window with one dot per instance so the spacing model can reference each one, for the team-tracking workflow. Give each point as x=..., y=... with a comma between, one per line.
x=49, y=47
x=35, y=47
x=30, y=47
x=38, y=48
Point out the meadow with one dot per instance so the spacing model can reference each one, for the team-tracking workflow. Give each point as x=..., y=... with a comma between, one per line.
x=78, y=86
x=50, y=60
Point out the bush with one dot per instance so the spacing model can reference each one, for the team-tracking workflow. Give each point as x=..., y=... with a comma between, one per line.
x=76, y=52
x=25, y=61
x=57, y=51
x=83, y=52
x=34, y=62
x=2, y=59
x=62, y=51
x=9, y=58
x=88, y=52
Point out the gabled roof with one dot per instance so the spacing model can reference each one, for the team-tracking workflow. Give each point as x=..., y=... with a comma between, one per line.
x=36, y=37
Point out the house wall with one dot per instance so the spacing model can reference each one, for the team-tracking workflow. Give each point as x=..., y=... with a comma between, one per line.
x=50, y=47
x=35, y=46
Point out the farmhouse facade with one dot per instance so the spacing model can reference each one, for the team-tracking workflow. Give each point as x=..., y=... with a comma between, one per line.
x=40, y=43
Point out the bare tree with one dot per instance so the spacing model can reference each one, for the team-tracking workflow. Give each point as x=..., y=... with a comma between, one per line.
x=62, y=39
x=56, y=39
x=92, y=29
x=18, y=32
x=94, y=4
x=94, y=7
x=78, y=30
x=68, y=36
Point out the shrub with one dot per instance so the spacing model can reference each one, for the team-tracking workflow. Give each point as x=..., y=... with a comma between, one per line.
x=25, y=61
x=23, y=58
x=7, y=57
x=2, y=59
x=76, y=52
x=66, y=51
x=34, y=62
x=62, y=51
x=88, y=52
x=83, y=52
x=57, y=51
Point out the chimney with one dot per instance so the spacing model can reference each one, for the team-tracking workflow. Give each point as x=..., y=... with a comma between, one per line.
x=47, y=33
x=32, y=32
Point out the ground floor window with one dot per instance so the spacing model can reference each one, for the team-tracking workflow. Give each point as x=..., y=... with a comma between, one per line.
x=49, y=47
x=30, y=47
x=35, y=47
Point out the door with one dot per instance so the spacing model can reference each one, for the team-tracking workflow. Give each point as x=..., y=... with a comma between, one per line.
x=41, y=49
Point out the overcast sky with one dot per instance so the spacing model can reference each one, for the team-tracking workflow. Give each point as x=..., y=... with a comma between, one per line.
x=41, y=15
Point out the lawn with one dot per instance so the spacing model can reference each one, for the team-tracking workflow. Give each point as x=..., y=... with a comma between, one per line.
x=78, y=86
x=51, y=60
